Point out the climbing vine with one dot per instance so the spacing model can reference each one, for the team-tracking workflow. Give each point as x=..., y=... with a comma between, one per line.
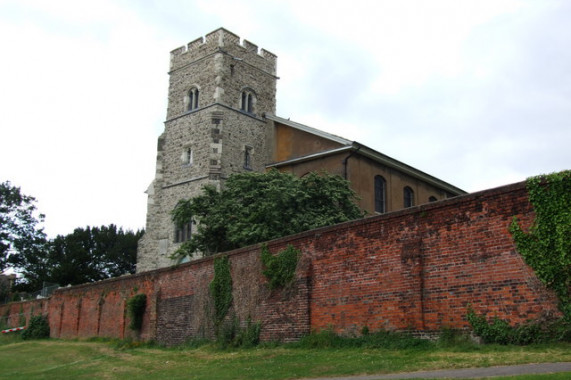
x=546, y=247
x=280, y=269
x=136, y=309
x=221, y=289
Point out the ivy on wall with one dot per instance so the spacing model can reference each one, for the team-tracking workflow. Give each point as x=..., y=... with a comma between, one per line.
x=136, y=309
x=280, y=269
x=546, y=247
x=221, y=289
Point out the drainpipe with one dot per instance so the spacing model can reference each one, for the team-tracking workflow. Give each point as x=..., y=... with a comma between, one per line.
x=346, y=160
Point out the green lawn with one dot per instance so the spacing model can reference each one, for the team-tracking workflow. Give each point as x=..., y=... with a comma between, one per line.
x=57, y=359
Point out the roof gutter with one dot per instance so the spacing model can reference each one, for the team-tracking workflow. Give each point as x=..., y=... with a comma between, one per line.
x=346, y=160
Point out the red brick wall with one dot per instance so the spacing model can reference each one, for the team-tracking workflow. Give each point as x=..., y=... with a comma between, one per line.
x=421, y=268
x=18, y=314
x=179, y=306
x=414, y=269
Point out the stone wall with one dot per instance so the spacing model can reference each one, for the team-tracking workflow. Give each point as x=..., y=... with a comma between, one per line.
x=217, y=132
x=415, y=269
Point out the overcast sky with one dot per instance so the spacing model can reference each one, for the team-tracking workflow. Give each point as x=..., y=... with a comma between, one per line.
x=477, y=93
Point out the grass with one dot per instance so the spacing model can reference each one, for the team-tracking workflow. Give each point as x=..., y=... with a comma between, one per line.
x=58, y=359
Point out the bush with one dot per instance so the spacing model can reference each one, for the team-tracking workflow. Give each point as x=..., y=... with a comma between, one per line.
x=38, y=328
x=500, y=331
x=232, y=335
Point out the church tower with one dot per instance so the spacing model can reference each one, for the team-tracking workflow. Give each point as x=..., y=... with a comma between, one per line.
x=219, y=91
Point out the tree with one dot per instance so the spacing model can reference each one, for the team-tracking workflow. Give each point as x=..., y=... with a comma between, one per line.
x=19, y=230
x=256, y=207
x=86, y=255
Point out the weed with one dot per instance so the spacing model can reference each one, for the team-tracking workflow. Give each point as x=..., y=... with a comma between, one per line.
x=327, y=338
x=232, y=335
x=500, y=332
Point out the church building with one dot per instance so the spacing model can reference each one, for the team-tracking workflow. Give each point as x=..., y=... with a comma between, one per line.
x=221, y=119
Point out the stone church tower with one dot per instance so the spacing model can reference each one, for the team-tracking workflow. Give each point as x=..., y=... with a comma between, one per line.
x=219, y=91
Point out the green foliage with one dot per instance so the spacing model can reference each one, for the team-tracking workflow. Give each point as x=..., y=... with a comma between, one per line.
x=136, y=306
x=19, y=231
x=257, y=207
x=547, y=245
x=280, y=269
x=232, y=335
x=86, y=255
x=454, y=338
x=221, y=289
x=38, y=328
x=501, y=332
x=327, y=338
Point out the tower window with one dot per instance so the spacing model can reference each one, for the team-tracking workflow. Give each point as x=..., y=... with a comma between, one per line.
x=408, y=197
x=248, y=158
x=247, y=101
x=183, y=233
x=187, y=156
x=192, y=99
x=380, y=194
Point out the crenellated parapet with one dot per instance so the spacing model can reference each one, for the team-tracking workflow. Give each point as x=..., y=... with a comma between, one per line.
x=223, y=41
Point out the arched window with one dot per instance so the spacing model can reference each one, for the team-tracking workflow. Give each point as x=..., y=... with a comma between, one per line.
x=244, y=101
x=247, y=102
x=408, y=197
x=249, y=110
x=192, y=99
x=380, y=194
x=432, y=199
x=183, y=233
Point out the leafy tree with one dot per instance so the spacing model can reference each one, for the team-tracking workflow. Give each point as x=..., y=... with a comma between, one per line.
x=256, y=207
x=86, y=255
x=19, y=230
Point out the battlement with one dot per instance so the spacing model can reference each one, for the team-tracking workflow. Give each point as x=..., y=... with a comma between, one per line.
x=228, y=42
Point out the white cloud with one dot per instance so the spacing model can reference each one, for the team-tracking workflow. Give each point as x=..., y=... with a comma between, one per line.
x=475, y=92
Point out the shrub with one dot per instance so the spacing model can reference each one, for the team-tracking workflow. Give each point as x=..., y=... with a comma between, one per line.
x=38, y=328
x=500, y=331
x=232, y=335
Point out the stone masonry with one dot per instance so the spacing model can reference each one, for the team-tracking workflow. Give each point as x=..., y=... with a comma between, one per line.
x=205, y=144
